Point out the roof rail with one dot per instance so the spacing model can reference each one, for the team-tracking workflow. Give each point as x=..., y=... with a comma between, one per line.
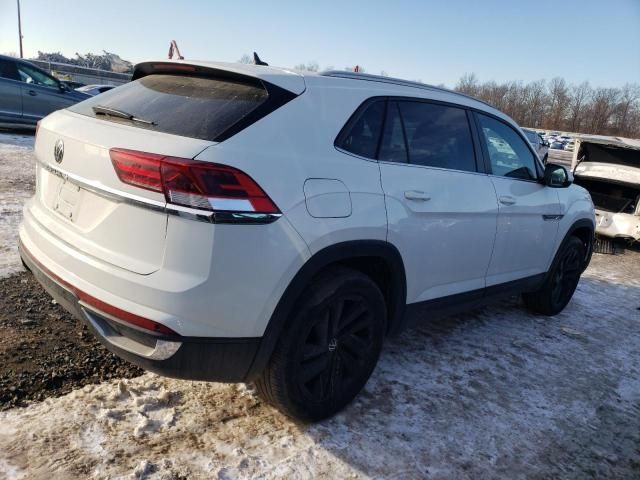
x=395, y=81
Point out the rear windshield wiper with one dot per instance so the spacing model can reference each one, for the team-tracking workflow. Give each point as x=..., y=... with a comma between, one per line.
x=113, y=112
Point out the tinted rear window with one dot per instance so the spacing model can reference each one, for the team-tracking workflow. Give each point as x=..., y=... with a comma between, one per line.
x=189, y=106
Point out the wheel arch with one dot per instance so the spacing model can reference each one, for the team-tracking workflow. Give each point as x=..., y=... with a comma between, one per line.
x=583, y=229
x=378, y=259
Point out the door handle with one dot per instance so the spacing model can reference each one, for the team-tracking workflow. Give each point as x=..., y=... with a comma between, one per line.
x=417, y=195
x=32, y=93
x=507, y=200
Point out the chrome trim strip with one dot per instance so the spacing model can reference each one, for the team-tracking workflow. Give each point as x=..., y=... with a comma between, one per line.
x=163, y=207
x=104, y=191
x=547, y=218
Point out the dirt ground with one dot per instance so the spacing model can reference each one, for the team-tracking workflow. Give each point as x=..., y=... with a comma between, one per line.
x=493, y=393
x=44, y=351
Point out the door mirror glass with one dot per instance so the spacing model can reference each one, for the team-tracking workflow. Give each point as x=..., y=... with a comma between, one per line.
x=557, y=176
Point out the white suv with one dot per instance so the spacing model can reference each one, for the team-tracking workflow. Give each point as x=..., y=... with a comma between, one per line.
x=247, y=223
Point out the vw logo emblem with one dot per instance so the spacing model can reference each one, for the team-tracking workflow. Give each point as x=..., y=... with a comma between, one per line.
x=333, y=344
x=58, y=151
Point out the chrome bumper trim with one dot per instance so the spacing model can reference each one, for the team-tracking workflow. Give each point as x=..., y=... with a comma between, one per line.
x=162, y=350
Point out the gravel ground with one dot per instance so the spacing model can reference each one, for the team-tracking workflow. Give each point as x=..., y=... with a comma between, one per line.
x=494, y=393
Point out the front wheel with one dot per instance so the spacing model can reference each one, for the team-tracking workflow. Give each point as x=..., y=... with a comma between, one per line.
x=329, y=347
x=562, y=280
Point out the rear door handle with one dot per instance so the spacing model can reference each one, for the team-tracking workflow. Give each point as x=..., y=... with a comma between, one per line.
x=417, y=195
x=507, y=200
x=32, y=93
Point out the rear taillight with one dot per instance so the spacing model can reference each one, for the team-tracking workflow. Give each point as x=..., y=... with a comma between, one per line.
x=192, y=183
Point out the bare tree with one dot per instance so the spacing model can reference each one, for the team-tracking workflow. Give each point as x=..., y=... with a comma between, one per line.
x=309, y=67
x=625, y=110
x=580, y=95
x=601, y=109
x=468, y=84
x=245, y=58
x=558, y=103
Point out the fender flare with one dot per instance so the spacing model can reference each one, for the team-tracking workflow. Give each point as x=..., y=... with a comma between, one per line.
x=331, y=255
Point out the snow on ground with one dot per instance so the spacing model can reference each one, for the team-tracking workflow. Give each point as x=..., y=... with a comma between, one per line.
x=17, y=184
x=494, y=393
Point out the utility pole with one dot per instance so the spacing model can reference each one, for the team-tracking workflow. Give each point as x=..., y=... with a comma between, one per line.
x=19, y=29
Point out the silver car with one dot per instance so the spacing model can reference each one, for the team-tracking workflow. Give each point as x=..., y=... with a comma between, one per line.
x=28, y=93
x=539, y=144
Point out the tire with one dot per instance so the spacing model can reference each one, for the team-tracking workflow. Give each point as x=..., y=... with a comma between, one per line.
x=561, y=280
x=328, y=348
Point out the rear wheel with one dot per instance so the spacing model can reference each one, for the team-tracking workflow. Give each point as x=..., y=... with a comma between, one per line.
x=561, y=281
x=329, y=347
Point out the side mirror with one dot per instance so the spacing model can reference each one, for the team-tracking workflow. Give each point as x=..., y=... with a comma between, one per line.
x=63, y=87
x=557, y=176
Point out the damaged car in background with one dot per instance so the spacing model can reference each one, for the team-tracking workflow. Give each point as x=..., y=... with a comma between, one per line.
x=609, y=168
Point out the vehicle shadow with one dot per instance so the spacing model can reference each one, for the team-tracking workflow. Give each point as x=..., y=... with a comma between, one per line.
x=500, y=392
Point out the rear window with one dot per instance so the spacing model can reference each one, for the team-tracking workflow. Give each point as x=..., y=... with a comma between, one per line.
x=197, y=107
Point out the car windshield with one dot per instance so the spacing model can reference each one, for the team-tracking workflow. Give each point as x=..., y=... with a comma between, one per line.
x=531, y=136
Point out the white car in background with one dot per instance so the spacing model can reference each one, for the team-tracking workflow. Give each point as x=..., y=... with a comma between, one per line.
x=538, y=143
x=233, y=223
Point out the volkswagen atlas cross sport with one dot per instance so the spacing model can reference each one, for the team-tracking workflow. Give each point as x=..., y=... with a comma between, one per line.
x=239, y=223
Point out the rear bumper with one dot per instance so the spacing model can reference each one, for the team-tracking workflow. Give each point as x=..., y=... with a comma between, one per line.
x=177, y=356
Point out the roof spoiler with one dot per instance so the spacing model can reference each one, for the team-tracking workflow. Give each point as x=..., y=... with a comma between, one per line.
x=231, y=71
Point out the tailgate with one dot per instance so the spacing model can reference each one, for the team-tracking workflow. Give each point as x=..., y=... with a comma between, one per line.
x=82, y=201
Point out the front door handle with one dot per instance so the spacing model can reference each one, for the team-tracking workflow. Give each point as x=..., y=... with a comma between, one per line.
x=32, y=93
x=417, y=195
x=507, y=200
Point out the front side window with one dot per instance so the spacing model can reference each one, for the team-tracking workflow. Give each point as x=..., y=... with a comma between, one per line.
x=36, y=77
x=438, y=136
x=363, y=133
x=508, y=154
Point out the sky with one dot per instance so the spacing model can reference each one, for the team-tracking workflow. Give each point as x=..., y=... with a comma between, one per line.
x=432, y=41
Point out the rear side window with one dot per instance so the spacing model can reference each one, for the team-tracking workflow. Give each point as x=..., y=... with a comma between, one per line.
x=190, y=106
x=394, y=144
x=438, y=136
x=361, y=137
x=411, y=131
x=8, y=70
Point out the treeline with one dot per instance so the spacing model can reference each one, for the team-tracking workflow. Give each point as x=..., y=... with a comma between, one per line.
x=557, y=105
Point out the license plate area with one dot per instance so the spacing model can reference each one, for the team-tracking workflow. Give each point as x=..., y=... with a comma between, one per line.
x=67, y=200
